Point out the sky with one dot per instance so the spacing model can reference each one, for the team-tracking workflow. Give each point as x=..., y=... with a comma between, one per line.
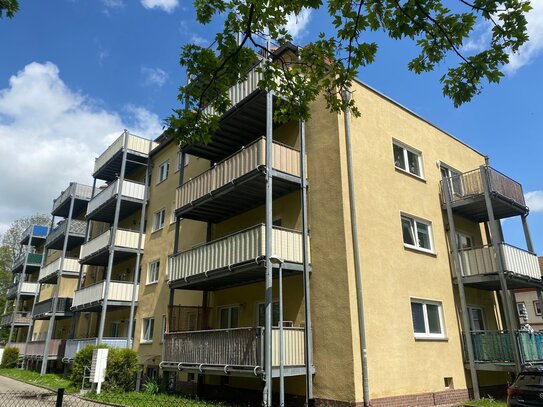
x=75, y=73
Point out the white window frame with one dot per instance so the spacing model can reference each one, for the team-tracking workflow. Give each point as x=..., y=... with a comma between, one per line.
x=162, y=171
x=451, y=172
x=163, y=332
x=178, y=161
x=153, y=272
x=414, y=221
x=160, y=216
x=406, y=149
x=536, y=312
x=471, y=322
x=147, y=330
x=427, y=334
x=172, y=214
x=229, y=308
x=275, y=303
x=117, y=325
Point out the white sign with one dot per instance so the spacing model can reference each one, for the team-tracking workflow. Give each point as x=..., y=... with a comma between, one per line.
x=98, y=367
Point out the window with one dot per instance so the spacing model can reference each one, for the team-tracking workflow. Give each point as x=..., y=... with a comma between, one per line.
x=172, y=214
x=454, y=179
x=537, y=307
x=163, y=171
x=407, y=159
x=522, y=311
x=147, y=330
x=163, y=335
x=427, y=319
x=476, y=319
x=178, y=161
x=417, y=233
x=228, y=317
x=158, y=220
x=115, y=329
x=261, y=317
x=153, y=272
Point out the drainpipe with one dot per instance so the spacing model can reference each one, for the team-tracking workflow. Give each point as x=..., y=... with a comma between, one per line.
x=346, y=95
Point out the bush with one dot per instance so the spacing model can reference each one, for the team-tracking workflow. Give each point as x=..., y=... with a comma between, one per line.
x=11, y=355
x=82, y=358
x=153, y=386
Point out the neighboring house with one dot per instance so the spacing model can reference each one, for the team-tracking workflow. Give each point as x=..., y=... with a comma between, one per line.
x=175, y=257
x=529, y=306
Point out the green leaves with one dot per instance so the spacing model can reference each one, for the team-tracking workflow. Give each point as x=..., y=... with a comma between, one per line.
x=9, y=8
x=329, y=65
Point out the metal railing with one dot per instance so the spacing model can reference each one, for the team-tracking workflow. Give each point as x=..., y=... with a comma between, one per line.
x=285, y=159
x=70, y=265
x=36, y=231
x=34, y=259
x=77, y=227
x=18, y=317
x=237, y=248
x=470, y=184
x=80, y=191
x=123, y=238
x=236, y=347
x=495, y=346
x=118, y=291
x=24, y=288
x=75, y=345
x=482, y=260
x=134, y=143
x=35, y=349
x=130, y=189
x=64, y=305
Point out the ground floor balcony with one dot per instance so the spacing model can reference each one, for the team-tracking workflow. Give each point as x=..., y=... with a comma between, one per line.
x=75, y=235
x=75, y=345
x=49, y=273
x=91, y=298
x=24, y=289
x=102, y=207
x=235, y=259
x=480, y=267
x=125, y=244
x=18, y=318
x=44, y=309
x=493, y=349
x=32, y=261
x=236, y=352
x=35, y=349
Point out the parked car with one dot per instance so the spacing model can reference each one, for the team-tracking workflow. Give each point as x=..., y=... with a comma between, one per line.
x=527, y=390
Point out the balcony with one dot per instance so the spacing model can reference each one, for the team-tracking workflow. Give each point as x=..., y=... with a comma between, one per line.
x=236, y=352
x=466, y=192
x=95, y=252
x=91, y=297
x=76, y=235
x=492, y=349
x=34, y=235
x=480, y=270
x=33, y=263
x=108, y=165
x=237, y=184
x=234, y=260
x=35, y=349
x=81, y=193
x=19, y=318
x=49, y=274
x=44, y=309
x=25, y=289
x=102, y=206
x=75, y=345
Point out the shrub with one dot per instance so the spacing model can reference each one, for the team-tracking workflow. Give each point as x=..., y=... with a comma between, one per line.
x=11, y=355
x=122, y=369
x=153, y=386
x=82, y=358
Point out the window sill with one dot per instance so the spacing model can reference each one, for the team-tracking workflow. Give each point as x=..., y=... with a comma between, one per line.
x=418, y=177
x=151, y=283
x=160, y=182
x=419, y=250
x=157, y=230
x=431, y=338
x=146, y=342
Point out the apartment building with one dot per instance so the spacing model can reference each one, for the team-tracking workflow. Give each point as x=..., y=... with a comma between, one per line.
x=183, y=249
x=529, y=305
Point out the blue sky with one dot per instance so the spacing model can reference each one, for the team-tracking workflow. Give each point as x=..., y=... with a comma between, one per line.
x=74, y=73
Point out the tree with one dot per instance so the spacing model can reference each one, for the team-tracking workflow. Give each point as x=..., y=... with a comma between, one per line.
x=9, y=7
x=328, y=65
x=11, y=239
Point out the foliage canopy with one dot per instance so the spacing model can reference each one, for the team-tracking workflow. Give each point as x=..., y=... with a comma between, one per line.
x=329, y=64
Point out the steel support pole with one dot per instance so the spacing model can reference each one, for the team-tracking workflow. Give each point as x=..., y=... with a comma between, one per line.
x=527, y=235
x=495, y=230
x=356, y=253
x=112, y=240
x=457, y=263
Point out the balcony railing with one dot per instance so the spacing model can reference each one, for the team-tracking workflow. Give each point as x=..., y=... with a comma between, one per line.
x=483, y=261
x=120, y=291
x=134, y=143
x=45, y=308
x=75, y=345
x=123, y=238
x=77, y=227
x=34, y=260
x=19, y=318
x=238, y=347
x=285, y=159
x=245, y=246
x=24, y=288
x=80, y=191
x=495, y=346
x=470, y=184
x=130, y=189
x=35, y=349
x=37, y=231
x=71, y=265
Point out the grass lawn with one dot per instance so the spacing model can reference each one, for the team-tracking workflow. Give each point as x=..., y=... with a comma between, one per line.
x=487, y=403
x=135, y=399
x=50, y=380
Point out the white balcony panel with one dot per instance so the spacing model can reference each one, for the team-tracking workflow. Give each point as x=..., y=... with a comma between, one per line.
x=75, y=345
x=294, y=346
x=134, y=143
x=130, y=189
x=29, y=288
x=95, y=245
x=128, y=239
x=70, y=265
x=118, y=291
x=520, y=261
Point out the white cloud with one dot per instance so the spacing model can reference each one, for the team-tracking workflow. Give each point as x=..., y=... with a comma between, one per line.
x=113, y=3
x=198, y=40
x=534, y=200
x=531, y=50
x=166, y=5
x=297, y=24
x=154, y=76
x=50, y=135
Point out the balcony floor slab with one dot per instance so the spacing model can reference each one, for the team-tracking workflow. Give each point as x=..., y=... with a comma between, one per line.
x=100, y=258
x=491, y=282
x=106, y=212
x=474, y=208
x=97, y=306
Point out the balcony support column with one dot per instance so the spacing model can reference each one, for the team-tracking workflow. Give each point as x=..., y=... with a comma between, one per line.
x=457, y=262
x=112, y=236
x=308, y=329
x=527, y=235
x=507, y=303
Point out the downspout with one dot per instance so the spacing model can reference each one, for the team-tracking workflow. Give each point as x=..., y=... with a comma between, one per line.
x=346, y=96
